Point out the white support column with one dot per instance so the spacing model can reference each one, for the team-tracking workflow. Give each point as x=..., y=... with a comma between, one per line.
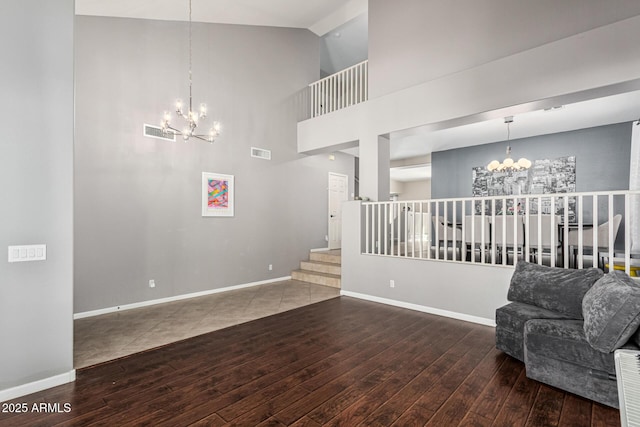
x=634, y=184
x=374, y=167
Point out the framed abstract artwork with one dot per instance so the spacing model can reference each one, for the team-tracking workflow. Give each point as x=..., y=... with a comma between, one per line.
x=217, y=194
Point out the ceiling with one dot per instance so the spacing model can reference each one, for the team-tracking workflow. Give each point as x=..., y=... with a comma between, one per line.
x=319, y=16
x=624, y=107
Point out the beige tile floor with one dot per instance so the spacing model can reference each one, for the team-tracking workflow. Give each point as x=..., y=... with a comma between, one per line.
x=110, y=336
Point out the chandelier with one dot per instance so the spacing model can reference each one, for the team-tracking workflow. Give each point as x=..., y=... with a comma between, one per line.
x=508, y=164
x=190, y=116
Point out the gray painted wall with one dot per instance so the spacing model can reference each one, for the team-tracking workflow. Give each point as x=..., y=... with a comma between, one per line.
x=602, y=159
x=466, y=291
x=36, y=172
x=415, y=41
x=137, y=209
x=602, y=163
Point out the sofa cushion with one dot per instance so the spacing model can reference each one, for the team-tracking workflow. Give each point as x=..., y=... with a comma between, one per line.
x=611, y=310
x=565, y=340
x=510, y=321
x=513, y=316
x=552, y=288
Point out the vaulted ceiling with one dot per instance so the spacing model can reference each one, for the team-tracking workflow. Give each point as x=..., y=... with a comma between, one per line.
x=319, y=16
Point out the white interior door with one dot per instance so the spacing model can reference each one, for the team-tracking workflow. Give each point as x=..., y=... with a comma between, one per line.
x=338, y=193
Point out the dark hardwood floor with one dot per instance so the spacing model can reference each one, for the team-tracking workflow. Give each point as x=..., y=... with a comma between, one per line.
x=341, y=362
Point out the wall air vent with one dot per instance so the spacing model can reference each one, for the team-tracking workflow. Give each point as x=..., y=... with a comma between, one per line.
x=261, y=153
x=156, y=132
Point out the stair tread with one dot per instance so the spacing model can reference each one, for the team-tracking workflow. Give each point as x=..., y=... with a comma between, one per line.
x=322, y=262
x=327, y=254
x=317, y=273
x=334, y=252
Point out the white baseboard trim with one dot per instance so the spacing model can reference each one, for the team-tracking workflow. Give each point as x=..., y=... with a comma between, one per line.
x=175, y=298
x=422, y=308
x=33, y=387
x=319, y=250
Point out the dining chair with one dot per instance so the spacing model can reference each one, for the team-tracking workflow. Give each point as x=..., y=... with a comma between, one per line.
x=587, y=239
x=453, y=236
x=477, y=230
x=543, y=236
x=418, y=229
x=508, y=239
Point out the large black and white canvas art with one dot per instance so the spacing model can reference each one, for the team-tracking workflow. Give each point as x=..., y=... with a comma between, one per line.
x=546, y=176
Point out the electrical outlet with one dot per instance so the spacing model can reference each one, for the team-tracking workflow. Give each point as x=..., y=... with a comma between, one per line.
x=392, y=283
x=152, y=283
x=270, y=267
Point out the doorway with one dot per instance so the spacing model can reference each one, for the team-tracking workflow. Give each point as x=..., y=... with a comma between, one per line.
x=338, y=193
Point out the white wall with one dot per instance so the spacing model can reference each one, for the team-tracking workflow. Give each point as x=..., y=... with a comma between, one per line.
x=416, y=190
x=396, y=187
x=36, y=207
x=411, y=190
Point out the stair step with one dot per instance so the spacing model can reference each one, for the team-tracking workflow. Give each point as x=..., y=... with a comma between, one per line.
x=316, y=277
x=321, y=267
x=326, y=256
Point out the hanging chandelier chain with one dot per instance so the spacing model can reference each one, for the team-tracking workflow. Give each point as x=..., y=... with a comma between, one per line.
x=191, y=117
x=190, y=59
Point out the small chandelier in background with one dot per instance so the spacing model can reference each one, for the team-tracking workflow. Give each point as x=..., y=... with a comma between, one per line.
x=508, y=164
x=191, y=117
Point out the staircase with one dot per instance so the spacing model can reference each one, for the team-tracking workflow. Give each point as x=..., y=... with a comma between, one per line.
x=323, y=268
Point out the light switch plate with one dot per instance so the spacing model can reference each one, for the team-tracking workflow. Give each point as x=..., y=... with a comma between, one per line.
x=27, y=253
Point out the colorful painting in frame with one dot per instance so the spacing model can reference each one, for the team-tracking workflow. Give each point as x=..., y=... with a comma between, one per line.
x=217, y=194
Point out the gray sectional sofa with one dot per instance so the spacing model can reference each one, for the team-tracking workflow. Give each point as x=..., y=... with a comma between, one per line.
x=566, y=324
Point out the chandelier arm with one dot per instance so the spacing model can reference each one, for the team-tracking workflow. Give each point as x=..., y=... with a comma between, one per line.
x=179, y=132
x=202, y=138
x=174, y=130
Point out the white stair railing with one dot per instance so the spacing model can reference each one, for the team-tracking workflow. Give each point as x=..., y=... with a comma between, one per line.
x=340, y=90
x=571, y=230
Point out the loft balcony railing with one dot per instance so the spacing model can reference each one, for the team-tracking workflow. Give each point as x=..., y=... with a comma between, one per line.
x=340, y=90
x=570, y=230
